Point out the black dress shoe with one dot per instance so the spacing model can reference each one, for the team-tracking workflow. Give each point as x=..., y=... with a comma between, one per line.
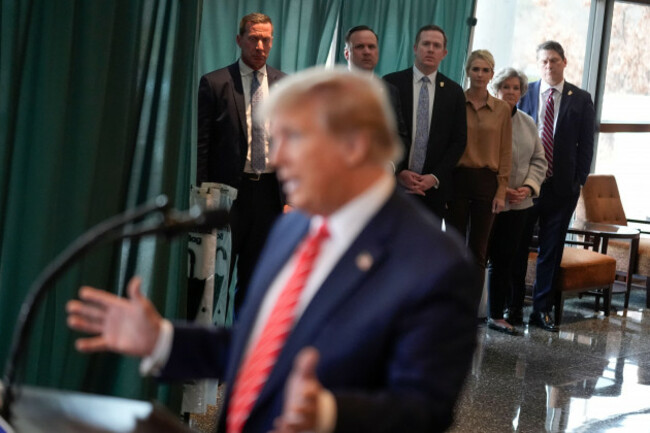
x=542, y=320
x=514, y=317
x=510, y=330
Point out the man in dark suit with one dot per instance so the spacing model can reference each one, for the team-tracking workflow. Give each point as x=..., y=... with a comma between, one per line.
x=437, y=144
x=565, y=117
x=362, y=53
x=233, y=145
x=361, y=312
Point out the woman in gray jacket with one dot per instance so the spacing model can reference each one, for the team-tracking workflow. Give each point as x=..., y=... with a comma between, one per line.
x=526, y=177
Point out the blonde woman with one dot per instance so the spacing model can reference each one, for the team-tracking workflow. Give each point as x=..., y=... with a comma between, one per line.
x=482, y=174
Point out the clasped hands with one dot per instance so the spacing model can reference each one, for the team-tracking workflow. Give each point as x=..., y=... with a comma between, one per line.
x=131, y=326
x=515, y=196
x=416, y=183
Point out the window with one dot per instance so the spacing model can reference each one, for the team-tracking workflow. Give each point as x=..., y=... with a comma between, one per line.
x=511, y=30
x=627, y=87
x=624, y=138
x=626, y=156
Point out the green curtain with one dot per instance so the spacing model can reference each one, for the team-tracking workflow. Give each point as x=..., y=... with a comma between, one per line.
x=96, y=107
x=302, y=31
x=97, y=112
x=397, y=21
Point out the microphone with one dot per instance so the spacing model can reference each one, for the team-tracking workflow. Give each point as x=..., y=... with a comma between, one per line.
x=169, y=222
x=195, y=219
x=173, y=222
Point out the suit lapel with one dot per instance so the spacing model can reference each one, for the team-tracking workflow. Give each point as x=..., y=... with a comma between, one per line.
x=535, y=100
x=269, y=267
x=346, y=277
x=273, y=75
x=238, y=96
x=439, y=104
x=407, y=98
x=565, y=103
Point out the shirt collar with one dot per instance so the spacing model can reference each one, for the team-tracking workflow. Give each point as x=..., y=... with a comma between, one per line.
x=489, y=101
x=244, y=69
x=544, y=86
x=350, y=219
x=417, y=75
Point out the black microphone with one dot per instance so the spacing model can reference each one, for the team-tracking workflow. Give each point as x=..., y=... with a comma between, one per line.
x=169, y=222
x=173, y=222
x=195, y=219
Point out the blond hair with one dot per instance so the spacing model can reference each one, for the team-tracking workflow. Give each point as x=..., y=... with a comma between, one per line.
x=479, y=54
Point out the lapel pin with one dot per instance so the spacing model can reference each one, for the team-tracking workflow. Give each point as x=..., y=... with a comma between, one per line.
x=442, y=84
x=364, y=261
x=570, y=92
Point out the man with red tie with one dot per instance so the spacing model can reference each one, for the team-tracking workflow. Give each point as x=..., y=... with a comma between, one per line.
x=565, y=117
x=361, y=311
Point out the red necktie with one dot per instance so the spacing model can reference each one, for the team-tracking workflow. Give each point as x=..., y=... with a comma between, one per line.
x=547, y=131
x=258, y=364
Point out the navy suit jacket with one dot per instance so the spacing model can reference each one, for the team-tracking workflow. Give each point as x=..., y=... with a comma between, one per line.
x=573, y=141
x=395, y=340
x=222, y=137
x=447, y=132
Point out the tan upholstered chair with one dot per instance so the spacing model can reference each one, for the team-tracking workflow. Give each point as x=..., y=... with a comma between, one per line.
x=581, y=270
x=600, y=202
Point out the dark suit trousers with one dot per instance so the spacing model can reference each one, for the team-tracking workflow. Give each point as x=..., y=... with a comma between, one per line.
x=504, y=242
x=553, y=213
x=257, y=206
x=434, y=201
x=470, y=210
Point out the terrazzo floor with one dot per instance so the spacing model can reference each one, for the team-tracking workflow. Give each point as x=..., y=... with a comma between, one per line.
x=593, y=376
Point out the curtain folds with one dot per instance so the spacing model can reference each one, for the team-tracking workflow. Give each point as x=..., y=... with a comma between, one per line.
x=397, y=22
x=97, y=115
x=303, y=32
x=96, y=111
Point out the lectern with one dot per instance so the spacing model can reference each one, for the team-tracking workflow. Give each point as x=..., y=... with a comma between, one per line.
x=41, y=410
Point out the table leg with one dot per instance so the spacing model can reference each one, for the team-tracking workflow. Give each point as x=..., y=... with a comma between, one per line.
x=634, y=249
x=603, y=246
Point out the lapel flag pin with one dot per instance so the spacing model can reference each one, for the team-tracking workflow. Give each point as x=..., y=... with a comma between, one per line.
x=364, y=261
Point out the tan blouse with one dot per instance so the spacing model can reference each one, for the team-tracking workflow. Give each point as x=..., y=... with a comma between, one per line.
x=489, y=140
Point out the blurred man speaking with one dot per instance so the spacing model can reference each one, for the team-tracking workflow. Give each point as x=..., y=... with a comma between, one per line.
x=361, y=312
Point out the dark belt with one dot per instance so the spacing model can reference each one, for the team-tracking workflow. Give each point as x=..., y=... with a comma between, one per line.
x=256, y=177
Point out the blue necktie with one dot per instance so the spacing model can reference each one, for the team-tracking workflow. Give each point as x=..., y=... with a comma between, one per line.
x=258, y=159
x=421, y=128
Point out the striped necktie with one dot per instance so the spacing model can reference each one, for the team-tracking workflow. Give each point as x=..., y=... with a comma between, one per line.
x=258, y=364
x=547, y=131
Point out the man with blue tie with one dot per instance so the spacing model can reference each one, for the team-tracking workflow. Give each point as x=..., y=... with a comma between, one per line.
x=361, y=311
x=232, y=148
x=565, y=117
x=433, y=108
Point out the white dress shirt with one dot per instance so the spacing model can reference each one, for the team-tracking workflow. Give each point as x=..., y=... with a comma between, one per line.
x=246, y=81
x=544, y=88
